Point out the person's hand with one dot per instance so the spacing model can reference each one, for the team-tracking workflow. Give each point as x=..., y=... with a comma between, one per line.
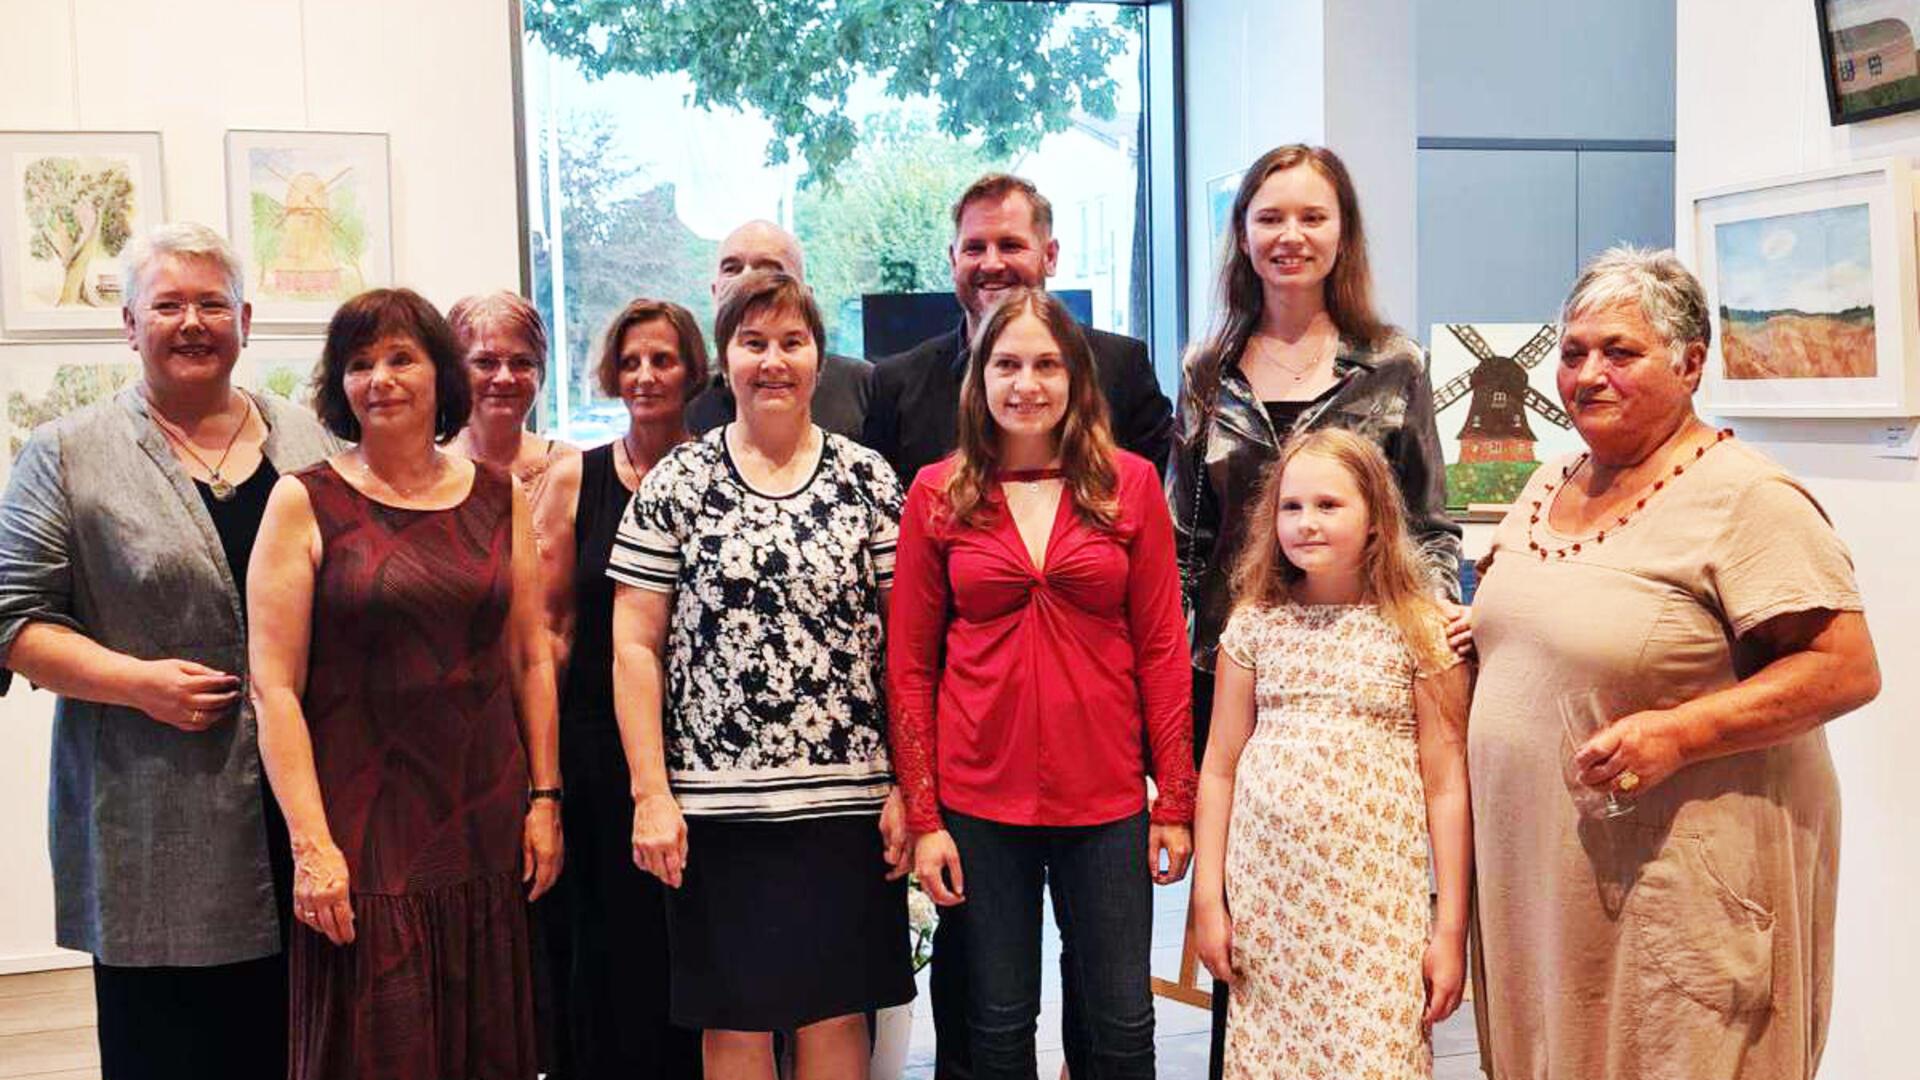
x=186, y=695
x=896, y=845
x=1444, y=968
x=1459, y=627
x=660, y=838
x=320, y=890
x=1176, y=842
x=935, y=858
x=1213, y=938
x=1641, y=745
x=542, y=847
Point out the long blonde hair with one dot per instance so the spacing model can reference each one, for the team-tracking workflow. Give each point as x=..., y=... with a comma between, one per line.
x=1085, y=439
x=1391, y=575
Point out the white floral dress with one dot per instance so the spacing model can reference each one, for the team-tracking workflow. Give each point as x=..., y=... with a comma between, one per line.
x=1326, y=853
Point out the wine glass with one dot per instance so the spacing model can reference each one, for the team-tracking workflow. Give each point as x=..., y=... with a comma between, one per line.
x=1584, y=713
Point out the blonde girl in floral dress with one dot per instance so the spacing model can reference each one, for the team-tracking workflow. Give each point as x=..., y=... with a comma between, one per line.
x=1338, y=749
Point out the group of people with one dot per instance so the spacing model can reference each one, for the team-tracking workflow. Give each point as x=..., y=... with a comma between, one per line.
x=341, y=691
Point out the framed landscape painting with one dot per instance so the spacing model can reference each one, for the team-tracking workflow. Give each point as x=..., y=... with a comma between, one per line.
x=1868, y=50
x=310, y=212
x=1811, y=283
x=72, y=202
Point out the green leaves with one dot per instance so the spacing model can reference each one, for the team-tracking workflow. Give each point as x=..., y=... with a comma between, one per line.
x=1007, y=74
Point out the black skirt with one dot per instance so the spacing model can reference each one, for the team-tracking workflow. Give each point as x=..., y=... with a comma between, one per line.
x=777, y=925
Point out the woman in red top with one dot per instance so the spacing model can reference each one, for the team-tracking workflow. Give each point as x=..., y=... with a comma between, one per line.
x=1037, y=672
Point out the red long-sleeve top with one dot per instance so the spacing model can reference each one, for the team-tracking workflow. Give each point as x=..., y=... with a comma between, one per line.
x=1040, y=697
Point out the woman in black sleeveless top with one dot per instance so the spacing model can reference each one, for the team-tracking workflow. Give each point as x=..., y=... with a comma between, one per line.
x=610, y=923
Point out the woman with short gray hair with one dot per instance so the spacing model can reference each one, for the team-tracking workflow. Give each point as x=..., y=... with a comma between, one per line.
x=124, y=539
x=1665, y=623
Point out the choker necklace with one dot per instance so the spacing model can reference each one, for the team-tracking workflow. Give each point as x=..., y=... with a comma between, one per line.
x=223, y=489
x=1028, y=476
x=1545, y=501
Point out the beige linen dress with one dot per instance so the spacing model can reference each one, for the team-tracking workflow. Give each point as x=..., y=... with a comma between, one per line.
x=1692, y=938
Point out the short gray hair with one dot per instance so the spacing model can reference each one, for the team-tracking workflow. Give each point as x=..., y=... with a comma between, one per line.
x=181, y=238
x=1668, y=295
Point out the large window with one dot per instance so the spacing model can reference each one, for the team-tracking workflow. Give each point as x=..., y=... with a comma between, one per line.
x=651, y=131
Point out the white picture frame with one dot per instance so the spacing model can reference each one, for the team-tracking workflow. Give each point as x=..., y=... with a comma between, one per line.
x=72, y=202
x=311, y=214
x=1810, y=280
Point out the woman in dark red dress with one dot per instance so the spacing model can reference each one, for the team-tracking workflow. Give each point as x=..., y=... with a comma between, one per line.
x=406, y=696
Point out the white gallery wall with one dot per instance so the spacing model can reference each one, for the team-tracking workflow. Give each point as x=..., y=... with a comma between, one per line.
x=436, y=75
x=1751, y=105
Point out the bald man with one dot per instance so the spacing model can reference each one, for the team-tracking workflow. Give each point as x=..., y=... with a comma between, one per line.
x=840, y=398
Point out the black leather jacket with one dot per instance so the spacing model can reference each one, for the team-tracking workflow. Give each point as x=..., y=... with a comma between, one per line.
x=1382, y=393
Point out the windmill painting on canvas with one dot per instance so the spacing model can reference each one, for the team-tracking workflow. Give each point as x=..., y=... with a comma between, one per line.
x=1494, y=400
x=309, y=211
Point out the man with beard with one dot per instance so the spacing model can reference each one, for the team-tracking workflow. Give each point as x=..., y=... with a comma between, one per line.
x=1002, y=237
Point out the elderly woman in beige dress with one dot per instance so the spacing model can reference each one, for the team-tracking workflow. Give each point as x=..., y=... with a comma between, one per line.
x=1700, y=594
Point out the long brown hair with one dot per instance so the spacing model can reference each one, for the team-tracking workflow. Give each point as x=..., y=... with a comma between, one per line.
x=1085, y=439
x=1391, y=573
x=1239, y=297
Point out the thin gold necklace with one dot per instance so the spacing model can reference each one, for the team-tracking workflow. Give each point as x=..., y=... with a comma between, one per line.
x=1270, y=352
x=367, y=473
x=222, y=488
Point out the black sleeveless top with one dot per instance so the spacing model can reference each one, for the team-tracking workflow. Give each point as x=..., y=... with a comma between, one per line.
x=587, y=697
x=238, y=519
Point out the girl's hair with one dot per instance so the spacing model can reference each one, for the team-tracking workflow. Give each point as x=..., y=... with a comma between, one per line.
x=1085, y=440
x=1240, y=297
x=1391, y=576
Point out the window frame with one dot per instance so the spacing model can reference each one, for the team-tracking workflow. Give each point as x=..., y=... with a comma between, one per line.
x=1163, y=105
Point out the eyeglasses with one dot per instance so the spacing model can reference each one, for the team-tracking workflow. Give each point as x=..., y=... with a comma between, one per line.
x=213, y=311
x=519, y=366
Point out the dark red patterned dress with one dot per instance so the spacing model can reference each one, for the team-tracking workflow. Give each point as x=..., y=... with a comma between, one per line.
x=420, y=764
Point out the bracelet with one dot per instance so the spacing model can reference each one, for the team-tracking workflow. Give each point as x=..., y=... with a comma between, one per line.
x=553, y=793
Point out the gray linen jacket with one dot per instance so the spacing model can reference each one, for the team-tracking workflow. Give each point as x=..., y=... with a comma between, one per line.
x=158, y=840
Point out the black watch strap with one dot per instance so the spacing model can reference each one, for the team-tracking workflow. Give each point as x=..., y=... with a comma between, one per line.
x=553, y=793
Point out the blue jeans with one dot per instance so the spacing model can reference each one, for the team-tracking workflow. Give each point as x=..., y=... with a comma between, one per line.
x=1103, y=902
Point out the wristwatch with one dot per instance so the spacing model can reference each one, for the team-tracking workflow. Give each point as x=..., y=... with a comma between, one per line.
x=553, y=793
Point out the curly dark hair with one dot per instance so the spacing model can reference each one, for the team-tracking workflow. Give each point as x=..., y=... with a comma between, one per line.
x=364, y=320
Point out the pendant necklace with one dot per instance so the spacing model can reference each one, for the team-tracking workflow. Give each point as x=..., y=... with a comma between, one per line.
x=222, y=488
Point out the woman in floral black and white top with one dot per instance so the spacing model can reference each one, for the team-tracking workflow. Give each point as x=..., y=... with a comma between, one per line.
x=753, y=570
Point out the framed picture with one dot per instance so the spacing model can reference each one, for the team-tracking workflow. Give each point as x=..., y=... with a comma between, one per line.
x=1868, y=50
x=72, y=202
x=1811, y=284
x=310, y=213
x=1497, y=408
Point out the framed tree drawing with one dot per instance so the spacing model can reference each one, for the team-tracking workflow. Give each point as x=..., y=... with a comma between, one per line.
x=310, y=213
x=72, y=201
x=1811, y=283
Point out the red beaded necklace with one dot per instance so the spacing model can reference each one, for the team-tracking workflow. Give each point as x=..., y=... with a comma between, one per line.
x=1546, y=500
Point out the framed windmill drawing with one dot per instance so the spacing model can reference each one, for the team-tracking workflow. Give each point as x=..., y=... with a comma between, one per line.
x=310, y=212
x=1497, y=409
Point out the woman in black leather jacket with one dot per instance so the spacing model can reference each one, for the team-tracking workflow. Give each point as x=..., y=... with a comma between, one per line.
x=1296, y=346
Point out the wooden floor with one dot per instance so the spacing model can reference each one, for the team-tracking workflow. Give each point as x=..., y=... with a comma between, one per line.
x=46, y=1026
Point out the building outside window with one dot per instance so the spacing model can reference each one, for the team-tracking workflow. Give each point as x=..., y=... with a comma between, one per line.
x=672, y=127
